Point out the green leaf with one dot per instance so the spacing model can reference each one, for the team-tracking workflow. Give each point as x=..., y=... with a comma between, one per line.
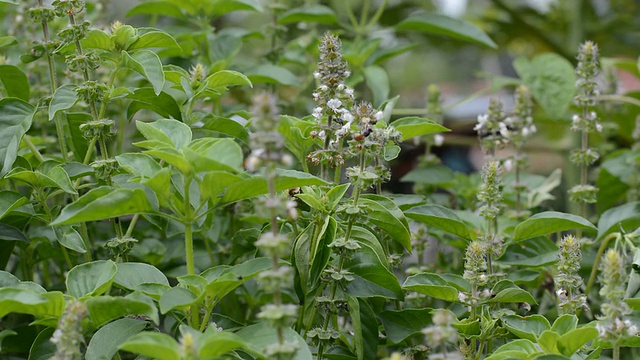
x=4, y=334
x=431, y=285
x=536, y=252
x=384, y=214
x=565, y=324
x=42, y=348
x=272, y=74
x=221, y=7
x=549, y=222
x=572, y=341
x=444, y=25
x=97, y=39
x=10, y=200
x=365, y=328
x=56, y=177
x=162, y=104
x=551, y=79
x=169, y=132
x=401, y=324
x=257, y=185
x=156, y=8
x=311, y=13
x=431, y=175
x=508, y=292
x=153, y=345
x=548, y=341
x=155, y=40
x=413, y=126
x=105, y=342
x=11, y=233
x=102, y=203
x=372, y=277
x=15, y=82
x=209, y=154
x=441, y=218
x=147, y=64
x=215, y=344
x=261, y=335
x=224, y=78
x=527, y=327
x=103, y=309
x=524, y=346
x=378, y=82
x=16, y=117
x=176, y=298
x=71, y=239
x=626, y=216
x=130, y=275
x=91, y=279
x=6, y=41
x=138, y=164
x=18, y=300
x=63, y=99
x=226, y=126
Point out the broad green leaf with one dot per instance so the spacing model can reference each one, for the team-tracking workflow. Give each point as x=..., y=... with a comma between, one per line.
x=224, y=78
x=55, y=177
x=15, y=82
x=138, y=164
x=42, y=348
x=507, y=292
x=572, y=341
x=548, y=341
x=162, y=104
x=365, y=328
x=4, y=334
x=536, y=252
x=626, y=216
x=209, y=154
x=261, y=335
x=19, y=300
x=565, y=324
x=11, y=233
x=169, y=132
x=444, y=25
x=77, y=170
x=401, y=324
x=170, y=156
x=156, y=8
x=441, y=218
x=215, y=183
x=70, y=238
x=372, y=278
x=103, y=309
x=378, y=82
x=91, y=279
x=381, y=55
x=231, y=278
x=77, y=142
x=226, y=126
x=155, y=40
x=257, y=185
x=102, y=203
x=310, y=13
x=153, y=345
x=272, y=74
x=524, y=346
x=8, y=41
x=549, y=222
x=411, y=127
x=215, y=344
x=176, y=298
x=431, y=175
x=221, y=7
x=10, y=200
x=147, y=64
x=62, y=180
x=16, y=117
x=105, y=342
x=551, y=79
x=131, y=274
x=431, y=285
x=552, y=357
x=527, y=327
x=63, y=99
x=97, y=39
x=383, y=213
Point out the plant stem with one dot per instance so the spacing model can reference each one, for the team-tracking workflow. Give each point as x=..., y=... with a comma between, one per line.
x=188, y=229
x=594, y=270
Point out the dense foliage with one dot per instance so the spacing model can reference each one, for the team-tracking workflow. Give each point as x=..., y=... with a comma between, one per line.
x=212, y=184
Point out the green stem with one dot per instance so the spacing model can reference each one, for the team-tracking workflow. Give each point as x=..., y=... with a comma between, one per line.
x=132, y=225
x=33, y=148
x=594, y=270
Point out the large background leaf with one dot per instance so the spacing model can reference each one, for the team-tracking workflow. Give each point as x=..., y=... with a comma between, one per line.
x=16, y=117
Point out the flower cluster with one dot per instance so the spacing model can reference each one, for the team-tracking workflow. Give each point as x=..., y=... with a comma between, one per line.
x=475, y=270
x=491, y=128
x=612, y=325
x=567, y=280
x=519, y=126
x=68, y=336
x=441, y=332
